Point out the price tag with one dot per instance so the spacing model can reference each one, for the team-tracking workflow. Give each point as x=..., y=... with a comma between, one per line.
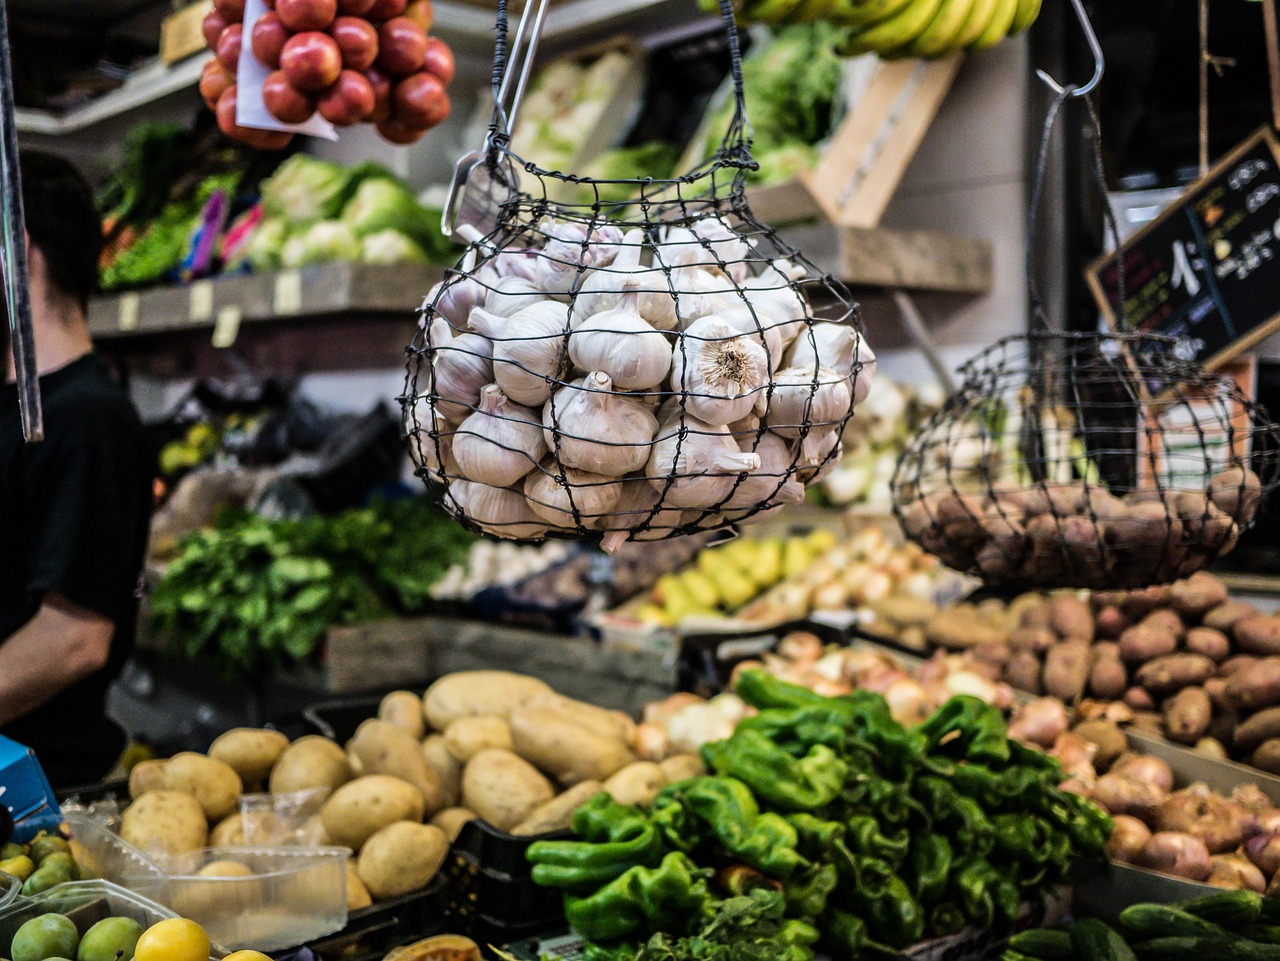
x=127, y=319
x=200, y=304
x=226, y=327
x=288, y=293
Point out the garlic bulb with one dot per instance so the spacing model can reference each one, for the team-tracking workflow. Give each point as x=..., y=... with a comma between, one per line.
x=722, y=370
x=621, y=344
x=745, y=429
x=453, y=299
x=638, y=505
x=519, y=262
x=862, y=385
x=432, y=455
x=822, y=464
x=500, y=512
x=711, y=242
x=440, y=332
x=511, y=295
x=774, y=293
x=461, y=370
x=695, y=464
x=601, y=289
x=528, y=349
x=500, y=442
x=573, y=248
x=760, y=326
x=813, y=397
x=702, y=291
x=589, y=427
x=839, y=347
x=773, y=483
x=583, y=499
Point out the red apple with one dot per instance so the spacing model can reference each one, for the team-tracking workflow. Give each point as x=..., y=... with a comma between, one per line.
x=284, y=101
x=421, y=13
x=302, y=15
x=420, y=100
x=439, y=60
x=357, y=38
x=397, y=131
x=311, y=61
x=232, y=11
x=267, y=39
x=214, y=80
x=348, y=101
x=250, y=136
x=402, y=46
x=228, y=50
x=355, y=8
x=386, y=9
x=213, y=26
x=381, y=85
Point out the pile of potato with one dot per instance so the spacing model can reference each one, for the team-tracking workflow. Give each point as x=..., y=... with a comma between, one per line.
x=479, y=744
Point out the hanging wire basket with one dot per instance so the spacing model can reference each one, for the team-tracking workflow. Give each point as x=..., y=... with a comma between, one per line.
x=1085, y=459
x=642, y=360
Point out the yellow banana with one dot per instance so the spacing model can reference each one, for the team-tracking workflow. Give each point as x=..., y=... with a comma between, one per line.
x=979, y=17
x=998, y=27
x=811, y=10
x=888, y=35
x=769, y=11
x=863, y=13
x=936, y=39
x=1028, y=10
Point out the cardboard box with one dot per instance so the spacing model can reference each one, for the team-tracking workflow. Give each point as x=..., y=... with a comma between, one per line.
x=182, y=32
x=25, y=791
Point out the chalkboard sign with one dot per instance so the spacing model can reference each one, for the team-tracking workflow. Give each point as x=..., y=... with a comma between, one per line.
x=1207, y=270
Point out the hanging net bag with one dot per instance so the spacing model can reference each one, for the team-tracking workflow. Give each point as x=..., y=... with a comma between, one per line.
x=1092, y=460
x=628, y=359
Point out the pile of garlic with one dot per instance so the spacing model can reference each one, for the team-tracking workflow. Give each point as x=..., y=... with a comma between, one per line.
x=629, y=385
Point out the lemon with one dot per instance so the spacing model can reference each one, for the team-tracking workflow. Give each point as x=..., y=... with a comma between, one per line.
x=246, y=956
x=175, y=939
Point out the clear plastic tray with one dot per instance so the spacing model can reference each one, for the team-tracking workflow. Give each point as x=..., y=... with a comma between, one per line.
x=10, y=888
x=86, y=903
x=294, y=895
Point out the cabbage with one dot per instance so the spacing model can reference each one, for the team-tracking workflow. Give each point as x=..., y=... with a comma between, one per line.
x=263, y=250
x=390, y=247
x=304, y=189
x=383, y=204
x=324, y=241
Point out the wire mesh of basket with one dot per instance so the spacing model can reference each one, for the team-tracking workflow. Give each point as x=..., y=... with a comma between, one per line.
x=629, y=359
x=1098, y=459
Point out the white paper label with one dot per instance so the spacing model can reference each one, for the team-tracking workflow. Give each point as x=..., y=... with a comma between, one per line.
x=200, y=304
x=287, y=298
x=226, y=327
x=128, y=316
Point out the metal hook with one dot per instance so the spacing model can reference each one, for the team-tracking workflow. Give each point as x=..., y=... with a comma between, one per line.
x=1099, y=62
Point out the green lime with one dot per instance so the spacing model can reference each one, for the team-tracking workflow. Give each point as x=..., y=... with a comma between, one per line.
x=45, y=878
x=111, y=939
x=45, y=937
x=62, y=859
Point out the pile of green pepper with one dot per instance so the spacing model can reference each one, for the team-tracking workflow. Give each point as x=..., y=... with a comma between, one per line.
x=876, y=835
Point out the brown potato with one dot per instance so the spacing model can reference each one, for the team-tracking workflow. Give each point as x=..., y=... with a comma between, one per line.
x=309, y=762
x=1259, y=727
x=1267, y=756
x=468, y=736
x=404, y=710
x=1237, y=491
x=170, y=821
x=1259, y=634
x=478, y=693
x=557, y=814
x=1239, y=662
x=360, y=808
x=637, y=784
x=1170, y=674
x=211, y=782
x=1066, y=671
x=251, y=752
x=451, y=821
x=357, y=894
x=1187, y=715
x=1107, y=677
x=401, y=858
x=1205, y=640
x=1216, y=688
x=1138, y=604
x=145, y=776
x=1143, y=642
x=1070, y=616
x=682, y=767
x=1224, y=616
x=503, y=788
x=961, y=627
x=383, y=748
x=1165, y=620
x=1034, y=639
x=1111, y=622
x=1142, y=527
x=590, y=716
x=1023, y=672
x=1106, y=737
x=1139, y=699
x=1197, y=594
x=558, y=745
x=229, y=833
x=1256, y=685
x=447, y=770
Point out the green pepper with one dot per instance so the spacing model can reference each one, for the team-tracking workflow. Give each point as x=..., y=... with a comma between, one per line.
x=891, y=803
x=619, y=838
x=1086, y=824
x=865, y=837
x=816, y=835
x=763, y=691
x=726, y=805
x=961, y=815
x=885, y=902
x=976, y=781
x=1006, y=899
x=807, y=893
x=792, y=784
x=676, y=825
x=799, y=937
x=845, y=935
x=665, y=898
x=968, y=727
x=1026, y=757
x=736, y=880
x=945, y=918
x=930, y=865
x=972, y=890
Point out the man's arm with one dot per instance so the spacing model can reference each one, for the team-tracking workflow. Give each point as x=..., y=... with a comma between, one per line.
x=64, y=643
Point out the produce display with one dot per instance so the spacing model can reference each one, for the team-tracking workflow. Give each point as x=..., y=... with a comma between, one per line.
x=902, y=28
x=876, y=835
x=56, y=937
x=354, y=61
x=1237, y=924
x=557, y=390
x=41, y=863
x=253, y=592
x=488, y=565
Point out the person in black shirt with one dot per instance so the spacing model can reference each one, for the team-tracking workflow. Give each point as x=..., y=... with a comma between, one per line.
x=74, y=509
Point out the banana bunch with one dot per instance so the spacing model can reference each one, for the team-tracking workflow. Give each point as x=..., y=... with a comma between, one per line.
x=902, y=28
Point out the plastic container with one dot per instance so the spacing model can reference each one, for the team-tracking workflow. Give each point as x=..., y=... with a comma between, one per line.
x=10, y=888
x=373, y=931
x=86, y=903
x=294, y=895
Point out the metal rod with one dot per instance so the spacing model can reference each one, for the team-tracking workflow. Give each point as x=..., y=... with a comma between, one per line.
x=14, y=259
x=1095, y=48
x=914, y=324
x=530, y=54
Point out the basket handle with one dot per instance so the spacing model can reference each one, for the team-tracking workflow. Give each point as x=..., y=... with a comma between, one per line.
x=512, y=70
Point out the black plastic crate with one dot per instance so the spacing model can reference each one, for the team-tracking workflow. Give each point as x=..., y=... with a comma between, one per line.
x=492, y=897
x=337, y=720
x=707, y=660
x=91, y=793
x=373, y=931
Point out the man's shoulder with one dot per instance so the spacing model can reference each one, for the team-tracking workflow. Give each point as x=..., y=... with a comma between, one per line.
x=90, y=403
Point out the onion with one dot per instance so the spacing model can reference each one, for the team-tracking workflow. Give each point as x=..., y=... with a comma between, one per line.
x=1177, y=853
x=1142, y=767
x=1040, y=722
x=1122, y=794
x=660, y=712
x=1268, y=821
x=1264, y=851
x=1127, y=839
x=801, y=646
x=1237, y=872
x=649, y=742
x=1199, y=811
x=1251, y=798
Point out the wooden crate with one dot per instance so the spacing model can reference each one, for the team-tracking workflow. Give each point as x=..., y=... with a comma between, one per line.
x=182, y=32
